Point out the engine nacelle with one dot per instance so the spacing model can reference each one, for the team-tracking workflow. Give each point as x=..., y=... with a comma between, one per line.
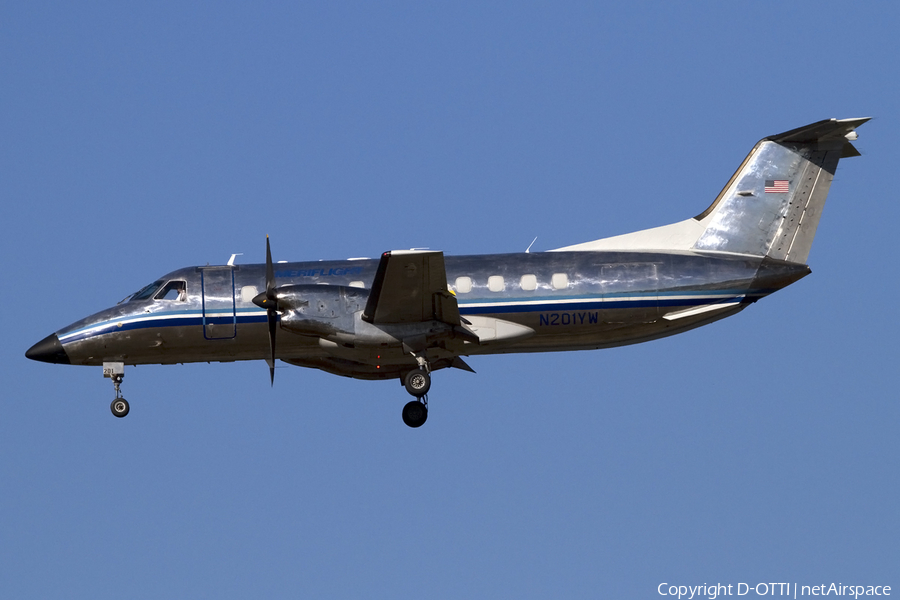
x=334, y=313
x=320, y=310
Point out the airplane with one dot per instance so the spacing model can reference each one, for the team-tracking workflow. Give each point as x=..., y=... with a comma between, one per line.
x=412, y=312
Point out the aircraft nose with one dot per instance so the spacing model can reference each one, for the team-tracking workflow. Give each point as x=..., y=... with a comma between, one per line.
x=48, y=350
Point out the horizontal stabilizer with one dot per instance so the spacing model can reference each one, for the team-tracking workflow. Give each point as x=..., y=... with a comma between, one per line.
x=829, y=129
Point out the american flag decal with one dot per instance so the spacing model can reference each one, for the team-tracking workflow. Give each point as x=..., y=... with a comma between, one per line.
x=777, y=186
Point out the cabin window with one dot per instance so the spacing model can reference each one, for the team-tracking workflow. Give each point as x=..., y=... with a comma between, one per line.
x=147, y=291
x=528, y=283
x=463, y=285
x=248, y=293
x=174, y=290
x=496, y=283
x=357, y=284
x=559, y=281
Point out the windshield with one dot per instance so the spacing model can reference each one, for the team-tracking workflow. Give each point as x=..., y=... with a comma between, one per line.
x=174, y=290
x=146, y=291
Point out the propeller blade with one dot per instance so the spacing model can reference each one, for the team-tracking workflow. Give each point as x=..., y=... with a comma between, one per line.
x=270, y=303
x=270, y=273
x=273, y=316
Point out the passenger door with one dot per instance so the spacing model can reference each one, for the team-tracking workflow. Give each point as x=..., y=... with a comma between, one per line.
x=219, y=314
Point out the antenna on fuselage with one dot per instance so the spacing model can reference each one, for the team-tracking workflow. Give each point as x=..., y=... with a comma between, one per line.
x=233, y=256
x=530, y=245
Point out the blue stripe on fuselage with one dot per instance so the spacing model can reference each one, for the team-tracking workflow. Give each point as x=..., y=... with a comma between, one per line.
x=485, y=306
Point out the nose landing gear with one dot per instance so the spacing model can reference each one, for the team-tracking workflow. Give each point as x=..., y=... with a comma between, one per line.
x=119, y=407
x=116, y=372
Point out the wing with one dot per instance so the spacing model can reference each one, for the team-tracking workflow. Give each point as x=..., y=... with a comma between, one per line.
x=410, y=286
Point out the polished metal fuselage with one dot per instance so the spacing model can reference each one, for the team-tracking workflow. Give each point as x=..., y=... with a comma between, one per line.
x=566, y=300
x=753, y=240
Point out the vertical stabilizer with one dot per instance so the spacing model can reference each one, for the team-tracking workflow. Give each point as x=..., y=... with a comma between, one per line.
x=770, y=207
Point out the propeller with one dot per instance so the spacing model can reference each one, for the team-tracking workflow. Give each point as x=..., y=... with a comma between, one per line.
x=269, y=301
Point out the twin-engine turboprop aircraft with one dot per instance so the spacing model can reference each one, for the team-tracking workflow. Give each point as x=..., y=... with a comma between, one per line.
x=413, y=312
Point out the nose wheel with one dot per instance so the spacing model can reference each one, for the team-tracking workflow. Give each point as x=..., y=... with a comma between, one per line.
x=119, y=407
x=116, y=372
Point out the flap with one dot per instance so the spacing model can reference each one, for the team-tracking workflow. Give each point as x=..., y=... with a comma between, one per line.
x=411, y=287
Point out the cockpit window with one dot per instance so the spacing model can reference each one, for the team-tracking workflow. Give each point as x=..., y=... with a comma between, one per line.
x=174, y=290
x=148, y=291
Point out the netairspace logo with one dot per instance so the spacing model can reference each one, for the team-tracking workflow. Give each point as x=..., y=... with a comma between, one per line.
x=713, y=591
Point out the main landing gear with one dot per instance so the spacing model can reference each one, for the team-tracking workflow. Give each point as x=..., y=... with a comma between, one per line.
x=417, y=383
x=116, y=372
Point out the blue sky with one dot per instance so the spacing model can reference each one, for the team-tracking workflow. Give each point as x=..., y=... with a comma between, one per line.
x=135, y=140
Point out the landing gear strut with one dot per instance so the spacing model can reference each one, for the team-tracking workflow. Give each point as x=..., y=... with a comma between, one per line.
x=417, y=383
x=116, y=372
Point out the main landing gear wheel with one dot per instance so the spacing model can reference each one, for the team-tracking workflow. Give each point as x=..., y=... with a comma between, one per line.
x=417, y=383
x=415, y=413
x=120, y=408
